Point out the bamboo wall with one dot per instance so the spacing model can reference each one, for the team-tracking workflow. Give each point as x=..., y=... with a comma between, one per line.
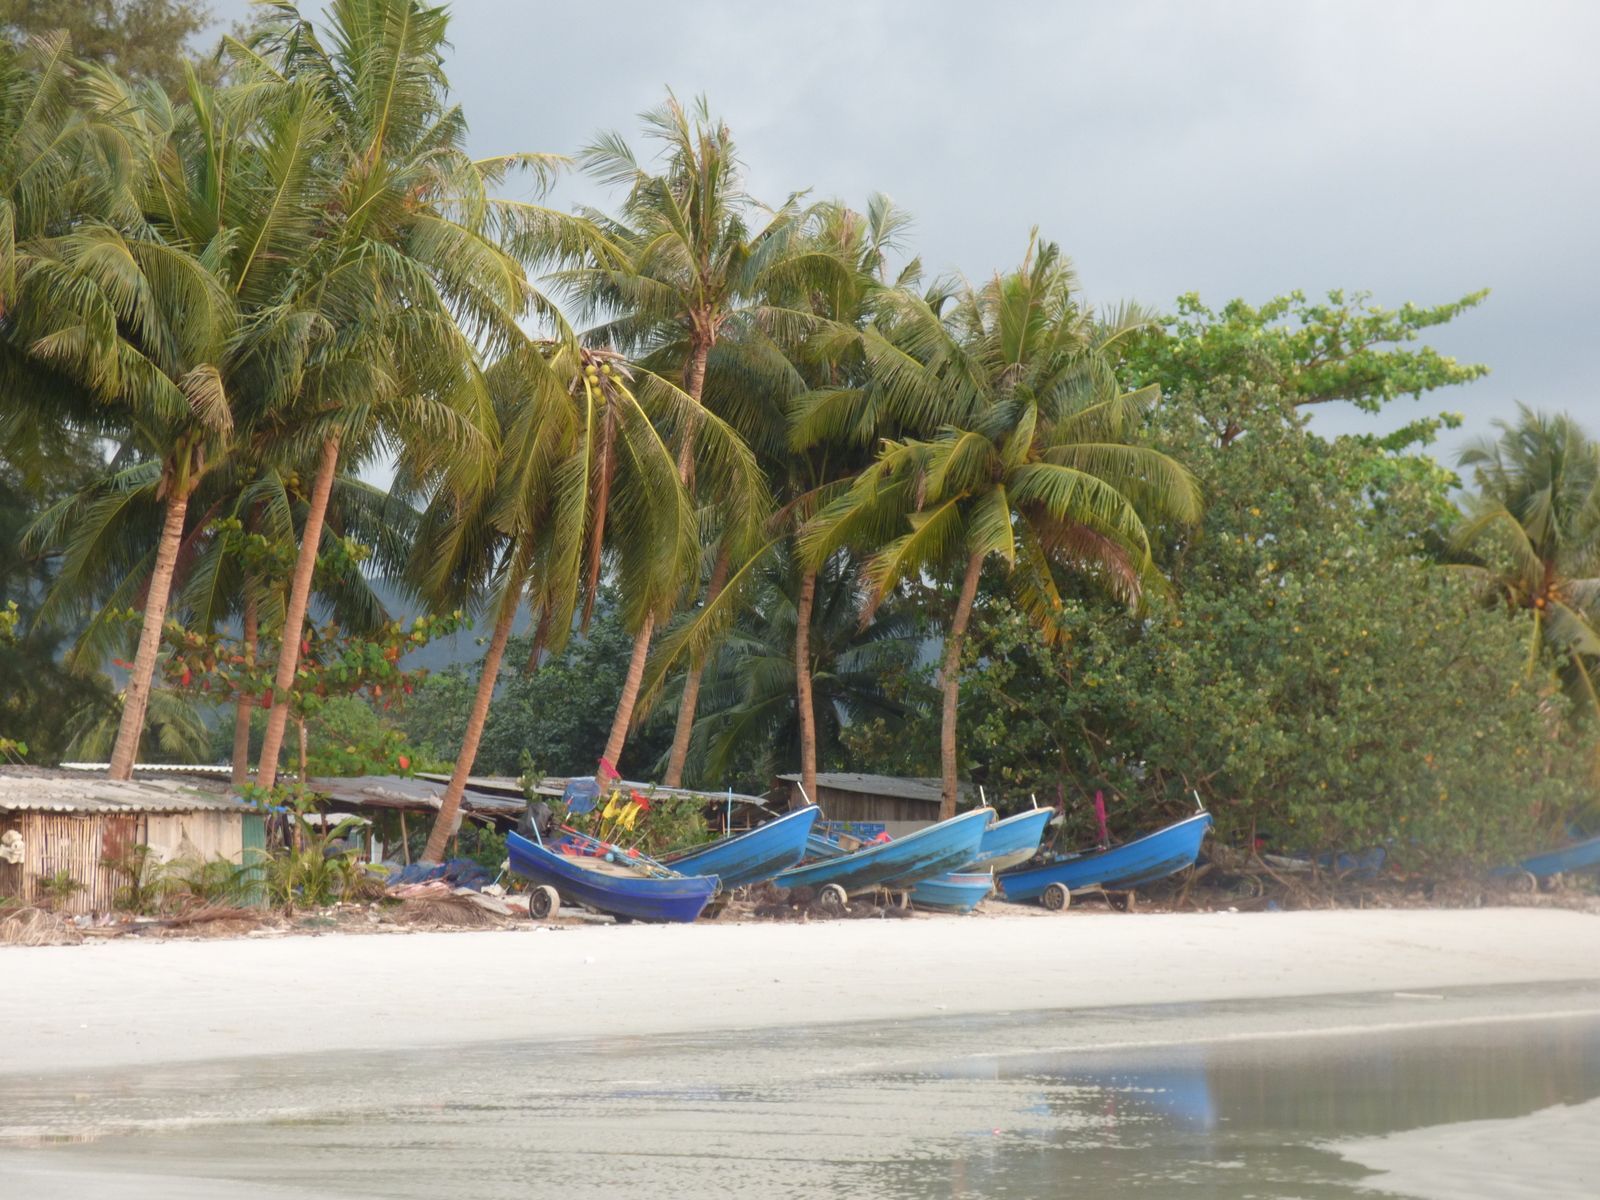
x=79, y=842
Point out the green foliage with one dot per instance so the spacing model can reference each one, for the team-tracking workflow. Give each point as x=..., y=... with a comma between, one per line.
x=140, y=39
x=1531, y=536
x=59, y=887
x=482, y=844
x=176, y=731
x=861, y=676
x=1305, y=353
x=143, y=877
x=317, y=869
x=555, y=718
x=1319, y=683
x=195, y=882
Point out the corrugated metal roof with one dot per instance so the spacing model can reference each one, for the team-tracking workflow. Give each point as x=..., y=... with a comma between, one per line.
x=223, y=770
x=42, y=793
x=555, y=785
x=880, y=785
x=411, y=794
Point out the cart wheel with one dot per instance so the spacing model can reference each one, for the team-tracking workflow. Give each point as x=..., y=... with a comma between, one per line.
x=833, y=898
x=901, y=899
x=620, y=919
x=1525, y=881
x=1121, y=901
x=544, y=902
x=1056, y=897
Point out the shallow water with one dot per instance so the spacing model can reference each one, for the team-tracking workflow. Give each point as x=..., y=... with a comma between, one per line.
x=1159, y=1102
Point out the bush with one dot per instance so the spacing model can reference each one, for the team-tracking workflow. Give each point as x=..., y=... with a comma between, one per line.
x=59, y=887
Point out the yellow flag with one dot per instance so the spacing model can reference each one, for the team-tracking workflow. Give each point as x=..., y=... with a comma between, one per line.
x=629, y=816
x=611, y=809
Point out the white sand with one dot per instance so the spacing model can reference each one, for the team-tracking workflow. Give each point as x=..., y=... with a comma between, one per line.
x=1489, y=1160
x=131, y=1002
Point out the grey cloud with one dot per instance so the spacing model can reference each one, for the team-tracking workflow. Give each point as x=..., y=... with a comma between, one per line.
x=1418, y=151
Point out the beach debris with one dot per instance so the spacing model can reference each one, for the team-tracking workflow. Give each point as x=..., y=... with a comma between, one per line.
x=36, y=927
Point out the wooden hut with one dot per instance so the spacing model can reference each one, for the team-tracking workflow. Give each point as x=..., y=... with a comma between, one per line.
x=54, y=822
x=898, y=805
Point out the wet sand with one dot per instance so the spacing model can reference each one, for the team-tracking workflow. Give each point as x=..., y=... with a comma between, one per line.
x=1269, y=1098
x=131, y=1003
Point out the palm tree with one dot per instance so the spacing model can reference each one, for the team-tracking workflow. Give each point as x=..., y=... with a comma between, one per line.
x=1034, y=466
x=587, y=473
x=751, y=696
x=699, y=265
x=1532, y=533
x=835, y=423
x=409, y=270
x=145, y=324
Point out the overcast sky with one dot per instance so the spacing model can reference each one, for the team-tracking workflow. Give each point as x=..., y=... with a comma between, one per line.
x=1414, y=150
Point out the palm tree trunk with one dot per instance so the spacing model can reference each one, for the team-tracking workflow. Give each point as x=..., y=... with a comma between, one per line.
x=694, y=381
x=245, y=705
x=802, y=684
x=136, y=698
x=950, y=681
x=444, y=825
x=601, y=501
x=630, y=694
x=684, y=732
x=295, y=613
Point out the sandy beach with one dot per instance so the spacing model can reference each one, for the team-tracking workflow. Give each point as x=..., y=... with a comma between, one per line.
x=127, y=1003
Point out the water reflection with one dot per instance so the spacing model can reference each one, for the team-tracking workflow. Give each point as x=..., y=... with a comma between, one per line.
x=1243, y=1117
x=799, y=1113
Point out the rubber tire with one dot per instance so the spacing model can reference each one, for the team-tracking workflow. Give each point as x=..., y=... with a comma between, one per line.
x=1056, y=897
x=620, y=919
x=901, y=899
x=833, y=898
x=544, y=902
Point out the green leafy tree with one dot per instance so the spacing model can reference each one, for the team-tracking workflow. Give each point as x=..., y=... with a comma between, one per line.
x=1314, y=679
x=1308, y=353
x=139, y=39
x=549, y=721
x=1037, y=465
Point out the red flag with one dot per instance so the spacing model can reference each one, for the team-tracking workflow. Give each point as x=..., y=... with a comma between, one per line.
x=642, y=801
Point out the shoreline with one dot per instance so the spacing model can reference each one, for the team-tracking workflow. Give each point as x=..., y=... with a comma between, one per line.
x=190, y=1001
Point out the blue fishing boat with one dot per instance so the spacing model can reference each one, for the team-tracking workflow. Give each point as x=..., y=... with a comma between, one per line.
x=610, y=887
x=959, y=891
x=1579, y=856
x=900, y=863
x=750, y=857
x=1013, y=840
x=1144, y=860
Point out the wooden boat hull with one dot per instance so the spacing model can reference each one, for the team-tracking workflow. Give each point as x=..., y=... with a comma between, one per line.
x=1012, y=841
x=1144, y=860
x=679, y=898
x=898, y=864
x=959, y=891
x=754, y=855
